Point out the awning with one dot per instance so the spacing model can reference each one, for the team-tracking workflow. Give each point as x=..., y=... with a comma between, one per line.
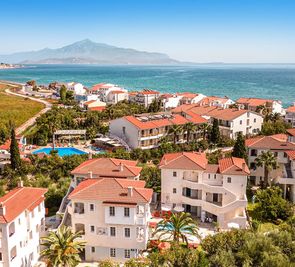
x=178, y=208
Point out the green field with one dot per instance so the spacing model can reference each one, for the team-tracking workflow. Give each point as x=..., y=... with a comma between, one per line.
x=16, y=109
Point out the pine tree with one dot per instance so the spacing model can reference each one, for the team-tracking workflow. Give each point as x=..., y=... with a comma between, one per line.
x=215, y=134
x=63, y=93
x=239, y=149
x=14, y=152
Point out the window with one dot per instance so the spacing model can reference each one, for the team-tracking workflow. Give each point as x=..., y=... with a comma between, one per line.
x=215, y=176
x=253, y=166
x=127, y=253
x=112, y=252
x=127, y=232
x=241, y=122
x=276, y=154
x=112, y=211
x=209, y=176
x=174, y=174
x=92, y=249
x=254, y=119
x=174, y=190
x=229, y=180
x=33, y=214
x=91, y=207
x=253, y=152
x=92, y=228
x=13, y=253
x=31, y=235
x=126, y=212
x=0, y=256
x=124, y=130
x=113, y=231
x=39, y=208
x=19, y=222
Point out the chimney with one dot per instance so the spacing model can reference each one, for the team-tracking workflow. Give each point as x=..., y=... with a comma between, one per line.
x=2, y=209
x=243, y=166
x=130, y=191
x=20, y=183
x=121, y=167
x=90, y=174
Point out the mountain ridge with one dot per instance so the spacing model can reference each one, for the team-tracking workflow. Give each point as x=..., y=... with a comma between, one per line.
x=88, y=52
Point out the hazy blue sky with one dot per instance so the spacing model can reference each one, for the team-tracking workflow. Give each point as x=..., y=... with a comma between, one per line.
x=191, y=30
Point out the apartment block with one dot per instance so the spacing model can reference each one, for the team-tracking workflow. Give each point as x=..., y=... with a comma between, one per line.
x=113, y=215
x=252, y=103
x=22, y=222
x=290, y=115
x=215, y=191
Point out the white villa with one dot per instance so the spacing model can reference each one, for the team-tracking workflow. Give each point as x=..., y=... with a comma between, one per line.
x=231, y=120
x=215, y=191
x=145, y=97
x=113, y=215
x=22, y=222
x=109, y=93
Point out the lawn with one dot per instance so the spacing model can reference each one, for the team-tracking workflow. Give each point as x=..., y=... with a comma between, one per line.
x=16, y=109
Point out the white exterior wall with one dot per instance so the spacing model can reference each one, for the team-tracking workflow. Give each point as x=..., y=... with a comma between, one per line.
x=198, y=98
x=290, y=118
x=101, y=238
x=26, y=238
x=171, y=102
x=277, y=108
x=115, y=98
x=231, y=197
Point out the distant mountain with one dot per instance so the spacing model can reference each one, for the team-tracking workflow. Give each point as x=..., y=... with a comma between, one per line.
x=88, y=52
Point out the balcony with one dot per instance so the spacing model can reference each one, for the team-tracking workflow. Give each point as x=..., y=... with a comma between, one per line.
x=79, y=208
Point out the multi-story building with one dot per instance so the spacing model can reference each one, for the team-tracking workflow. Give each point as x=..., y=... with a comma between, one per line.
x=189, y=98
x=291, y=135
x=116, y=96
x=215, y=191
x=104, y=91
x=278, y=145
x=113, y=215
x=231, y=120
x=22, y=221
x=146, y=131
x=253, y=104
x=145, y=97
x=290, y=115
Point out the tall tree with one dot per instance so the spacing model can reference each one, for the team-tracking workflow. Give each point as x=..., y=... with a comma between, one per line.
x=268, y=161
x=62, y=248
x=215, y=133
x=189, y=127
x=175, y=130
x=177, y=226
x=14, y=152
x=63, y=93
x=239, y=149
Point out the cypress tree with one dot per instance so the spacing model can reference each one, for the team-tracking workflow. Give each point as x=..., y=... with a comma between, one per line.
x=215, y=134
x=63, y=93
x=14, y=152
x=239, y=149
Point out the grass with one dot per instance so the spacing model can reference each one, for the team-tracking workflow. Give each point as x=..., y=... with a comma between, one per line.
x=16, y=109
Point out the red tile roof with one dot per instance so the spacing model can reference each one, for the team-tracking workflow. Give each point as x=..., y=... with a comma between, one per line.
x=108, y=167
x=291, y=154
x=291, y=109
x=149, y=92
x=97, y=108
x=254, y=102
x=187, y=95
x=112, y=190
x=269, y=142
x=291, y=131
x=117, y=92
x=101, y=86
x=210, y=99
x=233, y=166
x=20, y=199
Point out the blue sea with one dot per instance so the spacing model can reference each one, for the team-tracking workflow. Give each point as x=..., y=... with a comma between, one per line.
x=234, y=81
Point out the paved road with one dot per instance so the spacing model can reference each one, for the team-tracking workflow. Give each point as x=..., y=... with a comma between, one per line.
x=32, y=120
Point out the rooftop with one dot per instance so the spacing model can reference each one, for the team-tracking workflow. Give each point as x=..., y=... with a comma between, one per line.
x=254, y=102
x=20, y=199
x=108, y=167
x=291, y=131
x=291, y=109
x=112, y=190
x=269, y=142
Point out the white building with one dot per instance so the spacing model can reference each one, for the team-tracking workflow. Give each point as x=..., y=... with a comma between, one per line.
x=109, y=93
x=113, y=215
x=76, y=88
x=22, y=221
x=170, y=101
x=190, y=98
x=290, y=115
x=252, y=103
x=215, y=191
x=145, y=97
x=280, y=147
x=216, y=101
x=291, y=135
x=231, y=120
x=145, y=131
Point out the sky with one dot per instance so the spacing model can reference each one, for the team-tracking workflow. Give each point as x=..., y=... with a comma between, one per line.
x=231, y=31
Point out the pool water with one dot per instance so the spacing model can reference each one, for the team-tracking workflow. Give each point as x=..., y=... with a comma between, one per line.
x=61, y=151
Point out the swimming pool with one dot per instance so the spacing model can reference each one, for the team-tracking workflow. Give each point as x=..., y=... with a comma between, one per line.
x=61, y=151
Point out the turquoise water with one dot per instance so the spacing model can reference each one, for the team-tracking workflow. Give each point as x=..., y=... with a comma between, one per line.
x=234, y=81
x=61, y=151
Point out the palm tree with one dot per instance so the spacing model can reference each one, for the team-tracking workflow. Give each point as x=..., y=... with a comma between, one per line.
x=189, y=127
x=175, y=130
x=62, y=248
x=176, y=227
x=204, y=128
x=269, y=162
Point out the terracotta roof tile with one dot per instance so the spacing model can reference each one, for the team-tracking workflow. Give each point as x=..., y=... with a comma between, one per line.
x=233, y=166
x=254, y=102
x=291, y=154
x=112, y=190
x=269, y=142
x=20, y=199
x=291, y=109
x=291, y=131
